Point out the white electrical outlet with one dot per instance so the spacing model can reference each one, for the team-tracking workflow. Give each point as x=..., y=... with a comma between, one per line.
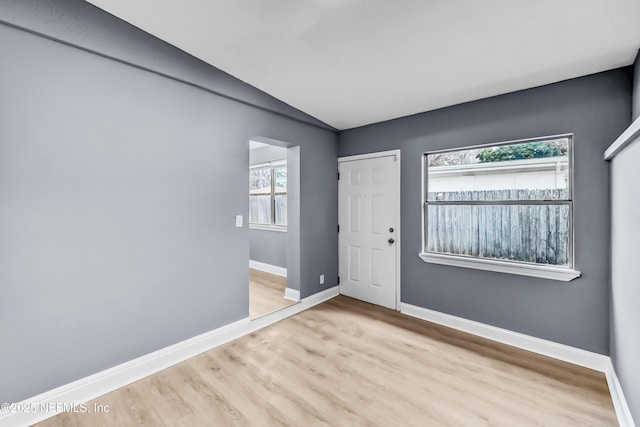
x=322, y=279
x=238, y=220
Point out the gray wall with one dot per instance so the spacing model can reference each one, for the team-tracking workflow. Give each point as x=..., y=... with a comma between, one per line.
x=625, y=234
x=596, y=109
x=636, y=88
x=268, y=246
x=82, y=24
x=118, y=192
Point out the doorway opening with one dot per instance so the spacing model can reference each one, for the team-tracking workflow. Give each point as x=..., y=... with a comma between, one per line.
x=274, y=201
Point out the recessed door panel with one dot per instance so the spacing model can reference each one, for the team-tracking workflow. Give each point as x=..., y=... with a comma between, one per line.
x=377, y=214
x=354, y=264
x=355, y=212
x=377, y=176
x=354, y=177
x=377, y=267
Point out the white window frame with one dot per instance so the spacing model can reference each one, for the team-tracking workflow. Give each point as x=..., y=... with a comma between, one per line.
x=273, y=226
x=561, y=273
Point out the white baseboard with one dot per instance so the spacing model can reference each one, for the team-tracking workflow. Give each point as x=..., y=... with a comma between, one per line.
x=304, y=304
x=273, y=269
x=563, y=352
x=103, y=382
x=292, y=294
x=50, y=403
x=588, y=359
x=617, y=395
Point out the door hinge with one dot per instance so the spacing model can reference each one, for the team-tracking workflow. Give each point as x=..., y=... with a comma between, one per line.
x=338, y=280
x=338, y=228
x=338, y=176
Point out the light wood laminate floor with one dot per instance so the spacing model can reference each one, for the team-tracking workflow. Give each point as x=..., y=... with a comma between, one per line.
x=349, y=363
x=266, y=293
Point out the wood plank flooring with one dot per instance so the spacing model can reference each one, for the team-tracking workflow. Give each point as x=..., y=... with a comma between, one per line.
x=266, y=293
x=349, y=363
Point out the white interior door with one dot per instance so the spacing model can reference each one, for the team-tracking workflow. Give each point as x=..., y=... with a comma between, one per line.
x=368, y=217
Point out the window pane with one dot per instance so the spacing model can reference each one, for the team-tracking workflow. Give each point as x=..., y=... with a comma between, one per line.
x=281, y=209
x=537, y=170
x=260, y=181
x=499, y=195
x=260, y=209
x=528, y=233
x=281, y=179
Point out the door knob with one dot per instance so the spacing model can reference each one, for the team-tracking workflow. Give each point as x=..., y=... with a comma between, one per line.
x=391, y=241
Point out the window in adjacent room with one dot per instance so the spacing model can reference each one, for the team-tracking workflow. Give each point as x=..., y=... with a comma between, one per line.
x=504, y=207
x=268, y=195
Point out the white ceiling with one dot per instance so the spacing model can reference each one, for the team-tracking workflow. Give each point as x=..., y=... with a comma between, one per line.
x=354, y=62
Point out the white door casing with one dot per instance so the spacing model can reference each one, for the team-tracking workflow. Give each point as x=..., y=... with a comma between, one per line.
x=369, y=221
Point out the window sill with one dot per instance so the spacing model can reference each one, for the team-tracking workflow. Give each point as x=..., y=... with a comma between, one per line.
x=277, y=228
x=544, y=272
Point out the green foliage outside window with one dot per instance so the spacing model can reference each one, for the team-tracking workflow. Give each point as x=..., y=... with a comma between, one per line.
x=530, y=150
